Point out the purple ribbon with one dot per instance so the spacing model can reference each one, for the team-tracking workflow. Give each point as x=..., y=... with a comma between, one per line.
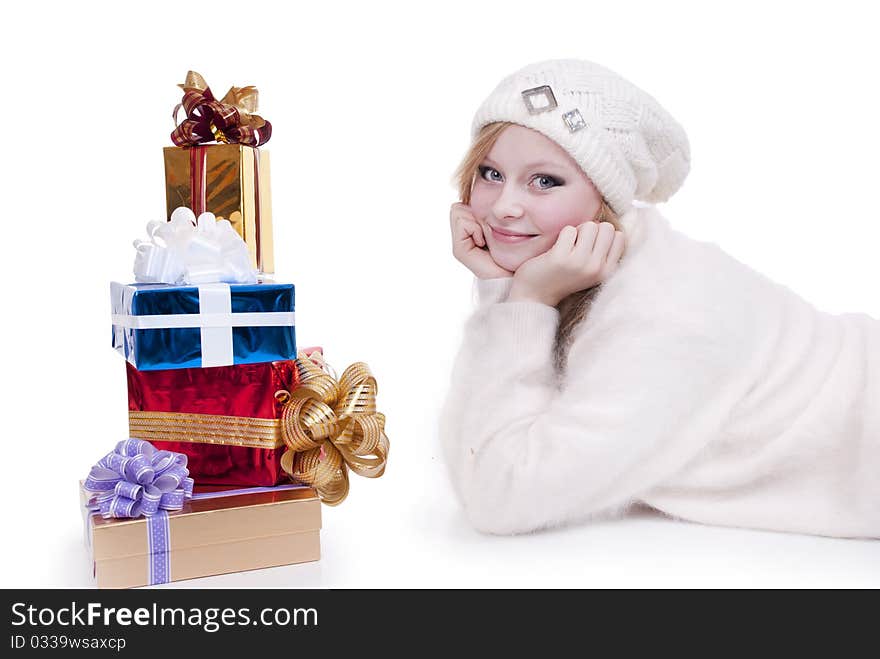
x=137, y=480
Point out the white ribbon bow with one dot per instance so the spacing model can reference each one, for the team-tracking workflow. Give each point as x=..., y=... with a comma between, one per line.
x=187, y=251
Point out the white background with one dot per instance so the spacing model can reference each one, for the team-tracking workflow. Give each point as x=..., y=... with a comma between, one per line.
x=371, y=107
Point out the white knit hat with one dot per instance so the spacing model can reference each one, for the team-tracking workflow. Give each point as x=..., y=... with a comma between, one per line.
x=626, y=143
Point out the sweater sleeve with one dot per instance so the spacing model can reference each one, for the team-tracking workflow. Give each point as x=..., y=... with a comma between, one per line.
x=491, y=291
x=524, y=454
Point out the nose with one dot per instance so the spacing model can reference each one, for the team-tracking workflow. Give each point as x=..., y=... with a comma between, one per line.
x=508, y=205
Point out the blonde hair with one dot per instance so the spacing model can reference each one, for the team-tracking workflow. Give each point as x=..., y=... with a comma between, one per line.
x=572, y=309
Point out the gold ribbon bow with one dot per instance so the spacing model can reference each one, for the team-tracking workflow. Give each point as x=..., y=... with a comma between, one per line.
x=233, y=119
x=330, y=427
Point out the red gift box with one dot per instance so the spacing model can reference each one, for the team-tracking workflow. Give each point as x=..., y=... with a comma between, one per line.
x=226, y=419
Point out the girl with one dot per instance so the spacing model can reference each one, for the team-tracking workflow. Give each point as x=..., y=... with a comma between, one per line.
x=590, y=379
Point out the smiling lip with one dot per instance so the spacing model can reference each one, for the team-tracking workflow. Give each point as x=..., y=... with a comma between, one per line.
x=509, y=236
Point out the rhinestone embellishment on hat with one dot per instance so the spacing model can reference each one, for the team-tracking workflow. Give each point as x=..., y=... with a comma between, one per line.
x=574, y=120
x=539, y=99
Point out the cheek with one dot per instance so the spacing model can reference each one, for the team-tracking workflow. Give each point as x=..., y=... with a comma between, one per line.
x=560, y=210
x=482, y=199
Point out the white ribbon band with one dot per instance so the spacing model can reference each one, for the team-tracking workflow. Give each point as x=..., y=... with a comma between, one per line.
x=216, y=341
x=175, y=321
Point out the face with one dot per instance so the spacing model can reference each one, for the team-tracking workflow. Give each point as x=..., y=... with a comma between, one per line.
x=527, y=189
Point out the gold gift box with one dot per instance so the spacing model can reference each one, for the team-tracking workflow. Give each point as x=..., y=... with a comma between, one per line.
x=236, y=184
x=218, y=535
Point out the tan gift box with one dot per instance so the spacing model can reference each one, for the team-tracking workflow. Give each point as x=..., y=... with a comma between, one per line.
x=231, y=181
x=232, y=531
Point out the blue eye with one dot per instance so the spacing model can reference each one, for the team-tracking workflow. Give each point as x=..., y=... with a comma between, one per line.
x=490, y=174
x=545, y=182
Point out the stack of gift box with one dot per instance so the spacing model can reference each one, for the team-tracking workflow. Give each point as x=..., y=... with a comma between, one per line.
x=234, y=437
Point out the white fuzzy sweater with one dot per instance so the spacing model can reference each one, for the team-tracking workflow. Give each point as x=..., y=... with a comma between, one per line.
x=694, y=385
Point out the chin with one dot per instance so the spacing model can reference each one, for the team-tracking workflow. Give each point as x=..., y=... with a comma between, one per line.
x=508, y=261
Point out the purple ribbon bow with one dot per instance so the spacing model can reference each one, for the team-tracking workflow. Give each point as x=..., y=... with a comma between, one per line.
x=135, y=479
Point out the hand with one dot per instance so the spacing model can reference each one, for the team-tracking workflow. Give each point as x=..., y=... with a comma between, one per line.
x=469, y=244
x=582, y=257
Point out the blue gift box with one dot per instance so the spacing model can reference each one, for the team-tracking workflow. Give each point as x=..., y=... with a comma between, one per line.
x=159, y=326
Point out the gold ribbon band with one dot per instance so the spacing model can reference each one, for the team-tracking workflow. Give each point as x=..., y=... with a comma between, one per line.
x=205, y=429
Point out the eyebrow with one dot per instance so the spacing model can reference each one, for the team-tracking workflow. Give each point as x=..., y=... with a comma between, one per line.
x=539, y=164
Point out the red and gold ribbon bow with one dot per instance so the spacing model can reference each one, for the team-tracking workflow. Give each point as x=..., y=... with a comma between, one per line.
x=330, y=427
x=231, y=120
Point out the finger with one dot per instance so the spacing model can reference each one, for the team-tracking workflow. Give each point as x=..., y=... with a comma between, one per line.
x=586, y=237
x=462, y=228
x=460, y=210
x=565, y=240
x=469, y=231
x=604, y=239
x=479, y=234
x=617, y=247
